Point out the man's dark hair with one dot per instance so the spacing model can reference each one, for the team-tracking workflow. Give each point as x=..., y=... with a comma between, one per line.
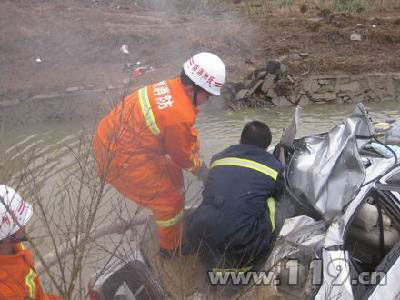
x=185, y=79
x=256, y=133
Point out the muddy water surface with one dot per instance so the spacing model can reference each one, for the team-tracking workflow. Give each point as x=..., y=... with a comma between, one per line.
x=53, y=143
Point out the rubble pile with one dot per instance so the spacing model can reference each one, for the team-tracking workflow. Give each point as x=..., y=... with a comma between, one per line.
x=263, y=87
x=272, y=85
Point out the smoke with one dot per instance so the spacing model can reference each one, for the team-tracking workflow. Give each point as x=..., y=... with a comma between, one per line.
x=49, y=47
x=186, y=27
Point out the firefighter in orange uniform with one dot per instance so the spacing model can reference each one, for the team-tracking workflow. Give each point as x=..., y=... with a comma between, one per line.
x=18, y=279
x=146, y=140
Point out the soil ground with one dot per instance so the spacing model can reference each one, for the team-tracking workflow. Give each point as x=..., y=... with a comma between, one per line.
x=48, y=46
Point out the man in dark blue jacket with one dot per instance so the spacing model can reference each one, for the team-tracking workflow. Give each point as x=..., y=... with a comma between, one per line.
x=233, y=228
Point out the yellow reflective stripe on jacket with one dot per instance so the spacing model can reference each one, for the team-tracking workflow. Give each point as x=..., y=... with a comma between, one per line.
x=147, y=111
x=271, y=207
x=30, y=283
x=171, y=222
x=246, y=163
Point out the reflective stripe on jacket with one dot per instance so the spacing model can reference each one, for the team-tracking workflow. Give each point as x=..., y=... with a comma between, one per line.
x=18, y=279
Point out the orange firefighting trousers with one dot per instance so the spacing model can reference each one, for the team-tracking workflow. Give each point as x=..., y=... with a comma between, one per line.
x=154, y=182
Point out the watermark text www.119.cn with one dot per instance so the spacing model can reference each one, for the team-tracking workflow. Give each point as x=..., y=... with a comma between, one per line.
x=336, y=271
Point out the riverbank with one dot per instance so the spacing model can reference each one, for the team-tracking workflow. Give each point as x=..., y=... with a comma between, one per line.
x=65, y=60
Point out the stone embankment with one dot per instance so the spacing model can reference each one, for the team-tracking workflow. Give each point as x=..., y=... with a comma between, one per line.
x=274, y=86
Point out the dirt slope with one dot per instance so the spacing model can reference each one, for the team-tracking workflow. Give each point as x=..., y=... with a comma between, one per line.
x=48, y=46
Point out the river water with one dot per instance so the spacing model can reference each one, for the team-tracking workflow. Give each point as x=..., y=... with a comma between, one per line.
x=49, y=146
x=51, y=150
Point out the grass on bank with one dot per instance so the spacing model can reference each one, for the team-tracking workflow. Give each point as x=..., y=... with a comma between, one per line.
x=267, y=7
x=261, y=8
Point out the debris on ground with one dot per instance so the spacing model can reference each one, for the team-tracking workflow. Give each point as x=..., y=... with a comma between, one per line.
x=356, y=37
x=137, y=69
x=124, y=48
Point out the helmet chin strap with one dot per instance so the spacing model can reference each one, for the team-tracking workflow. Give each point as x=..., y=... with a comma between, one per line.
x=196, y=90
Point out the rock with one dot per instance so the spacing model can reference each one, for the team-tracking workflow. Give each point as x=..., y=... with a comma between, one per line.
x=271, y=94
x=241, y=94
x=281, y=101
x=282, y=88
x=343, y=98
x=259, y=74
x=352, y=87
x=255, y=87
x=326, y=89
x=274, y=67
x=284, y=68
x=325, y=97
x=290, y=78
x=269, y=82
x=311, y=86
x=283, y=59
x=292, y=99
x=304, y=100
x=238, y=86
x=248, y=83
x=229, y=87
x=324, y=81
x=295, y=56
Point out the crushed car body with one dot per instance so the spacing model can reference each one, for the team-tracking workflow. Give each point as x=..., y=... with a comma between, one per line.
x=342, y=215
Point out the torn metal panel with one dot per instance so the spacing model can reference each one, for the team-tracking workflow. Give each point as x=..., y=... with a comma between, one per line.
x=326, y=170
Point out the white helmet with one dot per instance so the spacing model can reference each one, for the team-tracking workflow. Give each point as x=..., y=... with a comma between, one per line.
x=207, y=71
x=10, y=201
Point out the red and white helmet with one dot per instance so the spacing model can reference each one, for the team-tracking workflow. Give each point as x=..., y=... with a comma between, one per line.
x=10, y=201
x=207, y=71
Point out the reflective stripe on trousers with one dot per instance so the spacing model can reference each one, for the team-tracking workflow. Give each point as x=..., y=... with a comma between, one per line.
x=271, y=207
x=30, y=279
x=30, y=283
x=170, y=222
x=147, y=111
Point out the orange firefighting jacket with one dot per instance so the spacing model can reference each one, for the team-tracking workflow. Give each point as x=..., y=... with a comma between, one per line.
x=18, y=279
x=148, y=130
